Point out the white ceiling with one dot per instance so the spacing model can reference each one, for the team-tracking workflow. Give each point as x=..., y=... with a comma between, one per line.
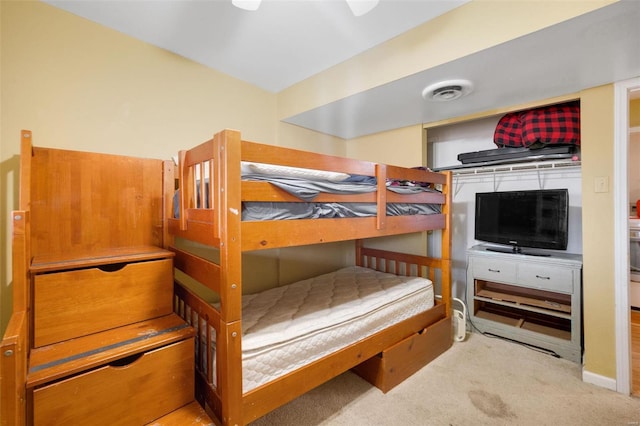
x=274, y=47
x=284, y=42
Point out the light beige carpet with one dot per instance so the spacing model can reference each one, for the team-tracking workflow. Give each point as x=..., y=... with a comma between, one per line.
x=482, y=381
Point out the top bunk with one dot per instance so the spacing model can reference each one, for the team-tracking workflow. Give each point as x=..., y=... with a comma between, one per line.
x=262, y=196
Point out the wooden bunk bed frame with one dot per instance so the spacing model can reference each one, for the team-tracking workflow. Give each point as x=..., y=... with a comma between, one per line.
x=219, y=225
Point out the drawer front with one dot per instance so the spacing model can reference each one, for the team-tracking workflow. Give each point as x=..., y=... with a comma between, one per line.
x=77, y=303
x=398, y=362
x=135, y=393
x=546, y=278
x=492, y=270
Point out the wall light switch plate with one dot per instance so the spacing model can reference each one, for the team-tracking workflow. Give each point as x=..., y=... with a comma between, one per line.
x=601, y=184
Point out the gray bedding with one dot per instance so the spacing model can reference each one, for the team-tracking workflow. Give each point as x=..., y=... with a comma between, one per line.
x=307, y=190
x=280, y=211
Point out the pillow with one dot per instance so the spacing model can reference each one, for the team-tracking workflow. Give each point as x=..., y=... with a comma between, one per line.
x=294, y=172
x=508, y=132
x=552, y=125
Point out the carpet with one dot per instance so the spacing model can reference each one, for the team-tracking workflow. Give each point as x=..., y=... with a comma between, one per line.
x=481, y=381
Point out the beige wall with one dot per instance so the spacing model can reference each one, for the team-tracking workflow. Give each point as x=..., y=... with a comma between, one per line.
x=81, y=86
x=597, y=148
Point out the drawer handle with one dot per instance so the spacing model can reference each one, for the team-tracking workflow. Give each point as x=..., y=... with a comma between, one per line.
x=543, y=277
x=494, y=270
x=126, y=361
x=112, y=267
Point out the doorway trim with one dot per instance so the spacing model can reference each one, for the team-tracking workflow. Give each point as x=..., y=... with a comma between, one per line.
x=622, y=91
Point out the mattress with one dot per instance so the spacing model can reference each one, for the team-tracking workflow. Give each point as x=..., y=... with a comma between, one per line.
x=306, y=184
x=287, y=327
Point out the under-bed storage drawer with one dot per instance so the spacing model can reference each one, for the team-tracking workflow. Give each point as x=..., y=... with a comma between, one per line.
x=396, y=363
x=133, y=391
x=76, y=303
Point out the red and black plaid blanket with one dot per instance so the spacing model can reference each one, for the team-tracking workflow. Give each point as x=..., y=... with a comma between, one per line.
x=551, y=125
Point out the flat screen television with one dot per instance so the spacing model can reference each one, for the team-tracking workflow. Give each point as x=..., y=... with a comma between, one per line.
x=533, y=218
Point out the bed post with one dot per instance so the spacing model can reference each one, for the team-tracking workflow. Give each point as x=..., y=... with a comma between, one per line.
x=381, y=201
x=16, y=341
x=446, y=244
x=359, y=260
x=227, y=155
x=168, y=189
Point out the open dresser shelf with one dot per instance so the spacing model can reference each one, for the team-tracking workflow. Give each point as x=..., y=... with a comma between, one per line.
x=533, y=299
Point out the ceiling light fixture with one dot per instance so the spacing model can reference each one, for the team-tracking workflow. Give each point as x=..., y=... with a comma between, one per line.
x=361, y=7
x=358, y=7
x=447, y=90
x=246, y=4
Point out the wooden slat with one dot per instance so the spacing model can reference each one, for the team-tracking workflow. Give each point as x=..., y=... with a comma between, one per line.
x=184, y=189
x=286, y=233
x=381, y=200
x=403, y=257
x=200, y=269
x=415, y=175
x=264, y=191
x=270, y=154
x=200, y=232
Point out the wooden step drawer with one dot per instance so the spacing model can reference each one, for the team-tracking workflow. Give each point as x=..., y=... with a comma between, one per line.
x=133, y=391
x=76, y=303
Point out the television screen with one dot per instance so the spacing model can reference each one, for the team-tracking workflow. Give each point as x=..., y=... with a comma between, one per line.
x=534, y=218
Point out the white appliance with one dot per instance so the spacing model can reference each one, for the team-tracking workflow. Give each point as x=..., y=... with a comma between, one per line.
x=460, y=321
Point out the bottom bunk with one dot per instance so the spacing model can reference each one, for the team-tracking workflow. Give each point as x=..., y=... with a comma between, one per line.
x=379, y=318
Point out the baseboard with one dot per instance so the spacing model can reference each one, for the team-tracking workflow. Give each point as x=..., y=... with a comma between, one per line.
x=598, y=380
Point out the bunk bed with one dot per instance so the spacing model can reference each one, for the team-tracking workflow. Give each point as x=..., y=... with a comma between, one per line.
x=219, y=186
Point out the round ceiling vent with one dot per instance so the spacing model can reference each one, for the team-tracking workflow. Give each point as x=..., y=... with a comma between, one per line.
x=447, y=90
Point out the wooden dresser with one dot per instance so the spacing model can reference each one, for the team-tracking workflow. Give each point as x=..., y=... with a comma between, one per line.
x=93, y=338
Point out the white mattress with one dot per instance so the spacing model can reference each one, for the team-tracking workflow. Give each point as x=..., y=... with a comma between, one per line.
x=287, y=327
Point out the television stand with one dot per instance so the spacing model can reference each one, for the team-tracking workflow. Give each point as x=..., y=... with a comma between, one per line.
x=528, y=298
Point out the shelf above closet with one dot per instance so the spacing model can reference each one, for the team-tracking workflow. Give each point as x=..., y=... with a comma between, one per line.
x=513, y=167
x=460, y=173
